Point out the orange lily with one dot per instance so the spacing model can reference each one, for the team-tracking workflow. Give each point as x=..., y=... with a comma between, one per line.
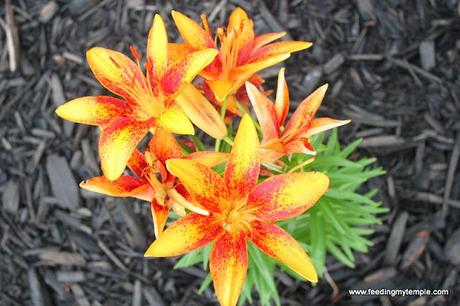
x=163, y=191
x=241, y=53
x=293, y=138
x=239, y=209
x=164, y=98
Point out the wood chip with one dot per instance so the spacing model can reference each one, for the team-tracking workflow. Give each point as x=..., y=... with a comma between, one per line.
x=395, y=239
x=47, y=11
x=57, y=91
x=38, y=293
x=382, y=141
x=334, y=63
x=54, y=257
x=10, y=197
x=427, y=54
x=415, y=249
x=452, y=248
x=62, y=182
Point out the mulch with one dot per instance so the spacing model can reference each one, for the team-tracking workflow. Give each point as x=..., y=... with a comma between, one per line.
x=393, y=68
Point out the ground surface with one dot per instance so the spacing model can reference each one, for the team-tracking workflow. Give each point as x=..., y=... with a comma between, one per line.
x=393, y=67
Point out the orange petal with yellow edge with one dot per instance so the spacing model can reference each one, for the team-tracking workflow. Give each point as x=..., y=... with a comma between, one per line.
x=201, y=112
x=243, y=167
x=282, y=98
x=185, y=235
x=228, y=265
x=222, y=88
x=164, y=146
x=277, y=243
x=305, y=112
x=262, y=40
x=323, y=124
x=242, y=73
x=237, y=17
x=299, y=145
x=285, y=196
x=265, y=112
x=124, y=186
x=280, y=48
x=203, y=184
x=117, y=72
x=208, y=158
x=181, y=74
x=177, y=52
x=97, y=110
x=137, y=163
x=116, y=144
x=174, y=120
x=192, y=33
x=160, y=215
x=157, y=47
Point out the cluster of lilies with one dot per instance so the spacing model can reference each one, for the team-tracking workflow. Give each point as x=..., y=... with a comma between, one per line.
x=246, y=201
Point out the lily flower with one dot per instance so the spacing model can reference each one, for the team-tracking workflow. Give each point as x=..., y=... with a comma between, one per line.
x=279, y=140
x=163, y=98
x=152, y=182
x=241, y=53
x=240, y=210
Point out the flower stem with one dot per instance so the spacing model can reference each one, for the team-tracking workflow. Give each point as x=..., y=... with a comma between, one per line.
x=223, y=110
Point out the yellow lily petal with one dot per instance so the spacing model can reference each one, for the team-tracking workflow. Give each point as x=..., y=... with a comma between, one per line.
x=277, y=243
x=243, y=167
x=285, y=196
x=228, y=265
x=174, y=120
x=185, y=235
x=157, y=47
x=116, y=144
x=201, y=112
x=93, y=110
x=209, y=159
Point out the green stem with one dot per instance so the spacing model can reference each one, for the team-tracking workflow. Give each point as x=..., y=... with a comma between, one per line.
x=243, y=110
x=223, y=110
x=228, y=140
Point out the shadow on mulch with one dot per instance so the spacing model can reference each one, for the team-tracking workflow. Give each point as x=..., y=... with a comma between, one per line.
x=393, y=67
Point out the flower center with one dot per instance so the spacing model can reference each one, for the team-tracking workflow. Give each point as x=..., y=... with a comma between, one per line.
x=236, y=220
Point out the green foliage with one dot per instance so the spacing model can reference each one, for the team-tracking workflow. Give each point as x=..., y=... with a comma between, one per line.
x=338, y=224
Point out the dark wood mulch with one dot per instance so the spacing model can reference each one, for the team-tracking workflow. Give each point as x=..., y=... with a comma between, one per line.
x=393, y=67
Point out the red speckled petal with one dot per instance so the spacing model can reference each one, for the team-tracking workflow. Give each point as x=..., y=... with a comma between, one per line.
x=124, y=186
x=116, y=144
x=97, y=110
x=160, y=215
x=285, y=196
x=243, y=167
x=185, y=235
x=204, y=185
x=228, y=265
x=277, y=243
